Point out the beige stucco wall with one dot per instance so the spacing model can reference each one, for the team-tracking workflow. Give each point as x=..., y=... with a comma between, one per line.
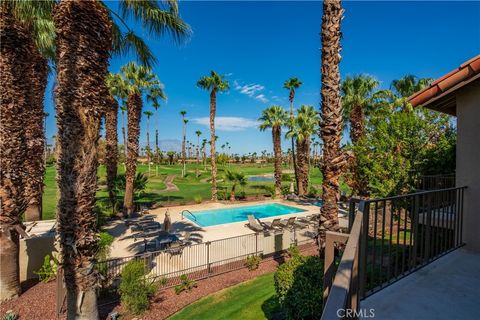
x=468, y=160
x=32, y=253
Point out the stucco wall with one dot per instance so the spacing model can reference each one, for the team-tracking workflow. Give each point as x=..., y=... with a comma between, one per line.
x=468, y=160
x=32, y=253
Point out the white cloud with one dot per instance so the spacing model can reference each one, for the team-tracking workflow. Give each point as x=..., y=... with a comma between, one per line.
x=262, y=98
x=252, y=90
x=228, y=123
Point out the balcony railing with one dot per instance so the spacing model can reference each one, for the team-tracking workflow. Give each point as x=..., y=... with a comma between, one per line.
x=435, y=182
x=389, y=239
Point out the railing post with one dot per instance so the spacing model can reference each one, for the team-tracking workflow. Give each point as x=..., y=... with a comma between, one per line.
x=351, y=214
x=362, y=268
x=256, y=243
x=328, y=273
x=208, y=257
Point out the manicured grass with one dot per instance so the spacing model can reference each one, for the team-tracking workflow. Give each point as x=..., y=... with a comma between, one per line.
x=254, y=300
x=190, y=187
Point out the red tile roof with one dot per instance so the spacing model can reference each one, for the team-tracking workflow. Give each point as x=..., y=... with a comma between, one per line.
x=465, y=72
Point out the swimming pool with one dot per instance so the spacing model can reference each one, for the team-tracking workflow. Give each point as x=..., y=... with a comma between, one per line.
x=209, y=218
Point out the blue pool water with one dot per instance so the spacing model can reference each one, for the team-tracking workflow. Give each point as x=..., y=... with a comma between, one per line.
x=209, y=218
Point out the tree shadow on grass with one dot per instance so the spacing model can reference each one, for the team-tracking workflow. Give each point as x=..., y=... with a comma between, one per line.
x=272, y=309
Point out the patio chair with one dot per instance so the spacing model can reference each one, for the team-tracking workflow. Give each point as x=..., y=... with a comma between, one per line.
x=176, y=248
x=288, y=223
x=253, y=224
x=185, y=240
x=273, y=225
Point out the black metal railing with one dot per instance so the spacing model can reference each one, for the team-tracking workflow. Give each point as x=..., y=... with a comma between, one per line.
x=436, y=182
x=398, y=235
x=206, y=259
x=402, y=233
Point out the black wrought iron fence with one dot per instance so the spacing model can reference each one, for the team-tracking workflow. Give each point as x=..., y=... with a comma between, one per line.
x=395, y=237
x=202, y=260
x=405, y=232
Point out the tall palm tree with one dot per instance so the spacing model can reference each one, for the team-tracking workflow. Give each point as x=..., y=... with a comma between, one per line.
x=198, y=133
x=123, y=108
x=292, y=85
x=15, y=101
x=156, y=106
x=213, y=83
x=204, y=152
x=275, y=117
x=357, y=100
x=139, y=81
x=184, y=139
x=80, y=99
x=304, y=126
x=331, y=111
x=148, y=114
x=111, y=148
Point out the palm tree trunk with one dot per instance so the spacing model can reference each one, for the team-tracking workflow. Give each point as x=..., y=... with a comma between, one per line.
x=35, y=135
x=124, y=134
x=134, y=110
x=213, y=156
x=157, y=153
x=331, y=124
x=83, y=43
x=277, y=150
x=111, y=149
x=15, y=101
x=301, y=167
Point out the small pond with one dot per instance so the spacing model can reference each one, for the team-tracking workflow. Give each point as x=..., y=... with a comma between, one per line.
x=263, y=178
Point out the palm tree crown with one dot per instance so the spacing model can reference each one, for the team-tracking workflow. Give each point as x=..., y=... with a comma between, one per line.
x=214, y=82
x=305, y=124
x=292, y=84
x=358, y=91
x=141, y=80
x=274, y=116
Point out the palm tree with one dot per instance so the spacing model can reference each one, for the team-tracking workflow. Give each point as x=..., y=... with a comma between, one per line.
x=184, y=139
x=275, y=117
x=292, y=85
x=198, y=133
x=357, y=101
x=111, y=148
x=304, y=126
x=331, y=124
x=237, y=178
x=123, y=108
x=138, y=80
x=148, y=114
x=204, y=152
x=15, y=101
x=214, y=83
x=156, y=106
x=80, y=99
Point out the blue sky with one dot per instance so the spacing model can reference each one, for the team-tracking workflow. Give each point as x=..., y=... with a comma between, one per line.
x=258, y=45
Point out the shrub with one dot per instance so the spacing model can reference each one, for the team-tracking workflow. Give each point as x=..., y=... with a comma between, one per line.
x=299, y=286
x=241, y=195
x=252, y=262
x=313, y=192
x=286, y=177
x=10, y=315
x=198, y=199
x=185, y=285
x=270, y=190
x=103, y=209
x=135, y=289
x=104, y=244
x=48, y=271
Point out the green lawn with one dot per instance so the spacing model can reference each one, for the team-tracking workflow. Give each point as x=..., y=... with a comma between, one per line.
x=190, y=187
x=254, y=300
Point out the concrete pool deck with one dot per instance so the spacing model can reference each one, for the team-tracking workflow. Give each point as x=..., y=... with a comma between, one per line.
x=124, y=244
